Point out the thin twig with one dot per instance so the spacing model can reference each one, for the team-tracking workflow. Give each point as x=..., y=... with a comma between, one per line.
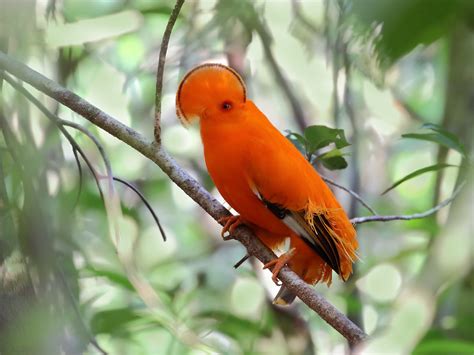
x=351, y=114
x=359, y=220
x=190, y=186
x=241, y=261
x=352, y=193
x=298, y=13
x=109, y=171
x=147, y=204
x=161, y=67
x=333, y=47
x=281, y=80
x=56, y=120
x=100, y=148
x=79, y=170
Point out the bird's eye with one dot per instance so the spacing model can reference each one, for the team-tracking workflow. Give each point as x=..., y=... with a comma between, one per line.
x=226, y=105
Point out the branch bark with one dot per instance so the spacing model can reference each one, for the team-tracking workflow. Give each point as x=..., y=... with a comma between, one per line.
x=360, y=220
x=161, y=67
x=154, y=152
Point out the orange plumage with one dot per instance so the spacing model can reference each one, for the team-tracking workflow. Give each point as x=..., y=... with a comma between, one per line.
x=265, y=178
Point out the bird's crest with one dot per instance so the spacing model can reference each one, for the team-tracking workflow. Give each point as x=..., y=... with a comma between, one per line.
x=207, y=86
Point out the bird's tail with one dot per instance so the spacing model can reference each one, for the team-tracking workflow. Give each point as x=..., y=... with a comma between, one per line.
x=284, y=297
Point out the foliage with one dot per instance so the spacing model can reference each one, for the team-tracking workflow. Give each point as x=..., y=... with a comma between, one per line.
x=416, y=22
x=437, y=135
x=317, y=137
x=416, y=173
x=440, y=136
x=68, y=280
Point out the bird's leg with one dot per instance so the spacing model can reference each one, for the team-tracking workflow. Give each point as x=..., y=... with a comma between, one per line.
x=230, y=223
x=278, y=263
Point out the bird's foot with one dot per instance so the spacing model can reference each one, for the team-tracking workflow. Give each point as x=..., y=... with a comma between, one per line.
x=230, y=223
x=278, y=263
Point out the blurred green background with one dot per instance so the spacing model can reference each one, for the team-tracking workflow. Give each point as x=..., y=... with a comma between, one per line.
x=377, y=69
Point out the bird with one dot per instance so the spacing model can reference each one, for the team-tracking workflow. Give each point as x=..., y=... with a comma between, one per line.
x=275, y=191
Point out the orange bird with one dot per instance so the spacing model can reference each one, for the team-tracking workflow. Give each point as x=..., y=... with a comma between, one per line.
x=259, y=172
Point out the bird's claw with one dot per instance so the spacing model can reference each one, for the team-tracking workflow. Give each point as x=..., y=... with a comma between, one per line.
x=277, y=264
x=230, y=223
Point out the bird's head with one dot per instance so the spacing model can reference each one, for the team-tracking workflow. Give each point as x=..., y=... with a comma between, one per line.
x=209, y=90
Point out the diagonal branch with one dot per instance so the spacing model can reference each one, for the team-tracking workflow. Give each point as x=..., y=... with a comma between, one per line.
x=191, y=187
x=161, y=67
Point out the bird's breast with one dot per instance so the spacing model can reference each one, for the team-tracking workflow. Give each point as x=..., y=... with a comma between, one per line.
x=227, y=159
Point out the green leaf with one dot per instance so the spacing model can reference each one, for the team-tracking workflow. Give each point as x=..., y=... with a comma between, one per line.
x=439, y=135
x=319, y=136
x=444, y=346
x=112, y=276
x=333, y=160
x=404, y=24
x=242, y=329
x=417, y=173
x=113, y=320
x=298, y=141
x=449, y=136
x=298, y=137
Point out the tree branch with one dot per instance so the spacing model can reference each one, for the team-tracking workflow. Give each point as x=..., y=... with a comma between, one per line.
x=191, y=187
x=56, y=120
x=298, y=14
x=359, y=220
x=161, y=67
x=146, y=203
x=350, y=192
x=280, y=78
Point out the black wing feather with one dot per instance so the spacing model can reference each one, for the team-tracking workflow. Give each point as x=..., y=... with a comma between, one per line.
x=319, y=239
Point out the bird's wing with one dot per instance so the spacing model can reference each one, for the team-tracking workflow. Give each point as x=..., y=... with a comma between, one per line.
x=319, y=237
x=294, y=192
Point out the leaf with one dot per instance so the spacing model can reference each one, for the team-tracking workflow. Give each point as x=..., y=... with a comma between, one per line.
x=444, y=346
x=113, y=320
x=229, y=13
x=440, y=136
x=242, y=329
x=404, y=24
x=319, y=136
x=298, y=141
x=417, y=173
x=298, y=137
x=449, y=136
x=333, y=160
x=112, y=276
